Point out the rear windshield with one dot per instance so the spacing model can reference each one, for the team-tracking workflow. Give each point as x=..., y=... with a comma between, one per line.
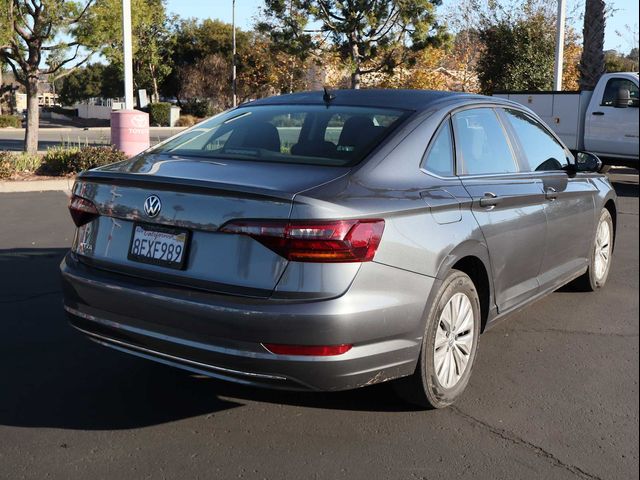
x=309, y=134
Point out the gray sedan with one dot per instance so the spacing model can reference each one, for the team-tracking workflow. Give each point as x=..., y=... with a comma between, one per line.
x=329, y=241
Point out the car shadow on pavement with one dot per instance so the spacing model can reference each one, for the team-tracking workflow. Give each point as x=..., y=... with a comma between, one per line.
x=52, y=376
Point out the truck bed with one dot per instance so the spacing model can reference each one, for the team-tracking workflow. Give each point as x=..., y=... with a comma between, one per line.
x=563, y=111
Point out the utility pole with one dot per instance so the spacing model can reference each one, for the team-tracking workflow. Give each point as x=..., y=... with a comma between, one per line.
x=557, y=70
x=128, y=55
x=129, y=127
x=234, y=82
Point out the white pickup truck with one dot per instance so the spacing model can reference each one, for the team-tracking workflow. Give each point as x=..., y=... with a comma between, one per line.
x=604, y=121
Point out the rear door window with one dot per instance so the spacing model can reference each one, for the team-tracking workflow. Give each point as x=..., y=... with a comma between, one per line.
x=482, y=144
x=543, y=152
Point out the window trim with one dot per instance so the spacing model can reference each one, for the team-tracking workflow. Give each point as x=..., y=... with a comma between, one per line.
x=430, y=145
x=458, y=153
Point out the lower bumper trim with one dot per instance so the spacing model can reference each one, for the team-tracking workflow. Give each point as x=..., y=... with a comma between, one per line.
x=198, y=367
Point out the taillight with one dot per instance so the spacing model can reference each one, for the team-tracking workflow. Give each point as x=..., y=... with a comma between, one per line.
x=317, y=350
x=309, y=241
x=82, y=210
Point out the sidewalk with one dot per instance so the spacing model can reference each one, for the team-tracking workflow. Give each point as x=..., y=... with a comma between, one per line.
x=49, y=185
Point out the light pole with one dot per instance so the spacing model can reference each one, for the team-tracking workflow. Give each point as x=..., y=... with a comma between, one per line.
x=129, y=127
x=128, y=55
x=557, y=70
x=233, y=35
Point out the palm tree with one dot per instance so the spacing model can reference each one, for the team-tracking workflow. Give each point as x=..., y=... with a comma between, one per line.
x=592, y=60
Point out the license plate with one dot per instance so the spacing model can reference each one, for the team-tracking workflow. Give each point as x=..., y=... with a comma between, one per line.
x=158, y=245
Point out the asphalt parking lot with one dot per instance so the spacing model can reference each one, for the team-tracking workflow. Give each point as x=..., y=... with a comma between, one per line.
x=554, y=394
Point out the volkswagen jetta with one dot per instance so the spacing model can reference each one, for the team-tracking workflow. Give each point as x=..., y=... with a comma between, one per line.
x=329, y=241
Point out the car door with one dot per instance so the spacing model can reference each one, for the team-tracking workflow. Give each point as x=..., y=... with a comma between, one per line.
x=610, y=129
x=570, y=198
x=507, y=204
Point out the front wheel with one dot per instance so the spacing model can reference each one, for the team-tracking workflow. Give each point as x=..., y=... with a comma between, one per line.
x=601, y=254
x=448, y=347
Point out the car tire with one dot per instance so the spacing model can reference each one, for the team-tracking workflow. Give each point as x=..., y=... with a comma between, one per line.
x=597, y=273
x=430, y=386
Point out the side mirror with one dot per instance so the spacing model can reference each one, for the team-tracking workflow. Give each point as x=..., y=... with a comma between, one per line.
x=623, y=98
x=587, y=162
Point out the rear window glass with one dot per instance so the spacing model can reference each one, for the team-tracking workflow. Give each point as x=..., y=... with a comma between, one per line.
x=311, y=134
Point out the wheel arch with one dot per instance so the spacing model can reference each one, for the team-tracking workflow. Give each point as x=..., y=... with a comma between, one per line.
x=610, y=205
x=472, y=258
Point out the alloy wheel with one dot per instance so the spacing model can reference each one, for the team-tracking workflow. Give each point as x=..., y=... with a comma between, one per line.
x=602, y=250
x=454, y=340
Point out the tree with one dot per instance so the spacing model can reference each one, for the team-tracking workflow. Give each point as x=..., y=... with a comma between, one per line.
x=426, y=72
x=4, y=38
x=2, y=91
x=193, y=41
x=571, y=62
x=152, y=40
x=95, y=80
x=616, y=62
x=371, y=35
x=592, y=63
x=29, y=30
x=633, y=56
x=291, y=45
x=207, y=79
x=267, y=70
x=518, y=54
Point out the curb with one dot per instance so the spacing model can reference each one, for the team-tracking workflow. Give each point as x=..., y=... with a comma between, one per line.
x=68, y=129
x=56, y=185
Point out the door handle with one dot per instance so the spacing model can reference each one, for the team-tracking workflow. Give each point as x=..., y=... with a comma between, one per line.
x=550, y=193
x=490, y=199
x=597, y=113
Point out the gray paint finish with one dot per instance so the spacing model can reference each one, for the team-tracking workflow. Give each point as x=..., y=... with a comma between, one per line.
x=236, y=294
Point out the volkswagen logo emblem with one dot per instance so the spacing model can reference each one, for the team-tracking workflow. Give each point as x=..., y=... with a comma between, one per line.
x=152, y=206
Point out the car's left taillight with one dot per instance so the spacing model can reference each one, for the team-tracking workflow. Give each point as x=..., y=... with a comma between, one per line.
x=314, y=241
x=82, y=210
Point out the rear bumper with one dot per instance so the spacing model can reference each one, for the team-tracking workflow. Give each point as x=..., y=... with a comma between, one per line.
x=222, y=336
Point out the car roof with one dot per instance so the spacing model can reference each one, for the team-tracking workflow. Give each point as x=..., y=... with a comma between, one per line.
x=386, y=98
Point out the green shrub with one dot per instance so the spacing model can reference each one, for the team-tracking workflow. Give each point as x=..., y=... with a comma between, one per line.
x=62, y=161
x=12, y=163
x=10, y=121
x=159, y=114
x=197, y=108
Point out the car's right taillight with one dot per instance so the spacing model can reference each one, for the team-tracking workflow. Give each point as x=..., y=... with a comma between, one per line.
x=315, y=241
x=82, y=210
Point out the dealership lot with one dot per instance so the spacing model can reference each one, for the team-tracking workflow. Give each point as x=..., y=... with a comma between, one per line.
x=554, y=393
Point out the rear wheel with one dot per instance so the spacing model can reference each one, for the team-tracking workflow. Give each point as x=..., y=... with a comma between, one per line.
x=601, y=254
x=448, y=347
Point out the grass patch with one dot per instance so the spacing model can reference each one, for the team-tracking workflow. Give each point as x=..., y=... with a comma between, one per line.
x=14, y=163
x=10, y=121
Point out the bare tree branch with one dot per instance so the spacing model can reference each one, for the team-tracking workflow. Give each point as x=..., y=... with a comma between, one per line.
x=70, y=70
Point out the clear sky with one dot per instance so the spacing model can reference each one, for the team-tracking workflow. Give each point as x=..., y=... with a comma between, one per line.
x=626, y=13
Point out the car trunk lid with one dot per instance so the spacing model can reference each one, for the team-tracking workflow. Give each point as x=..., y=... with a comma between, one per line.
x=199, y=196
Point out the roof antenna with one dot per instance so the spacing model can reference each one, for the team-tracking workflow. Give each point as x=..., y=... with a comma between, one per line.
x=328, y=96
